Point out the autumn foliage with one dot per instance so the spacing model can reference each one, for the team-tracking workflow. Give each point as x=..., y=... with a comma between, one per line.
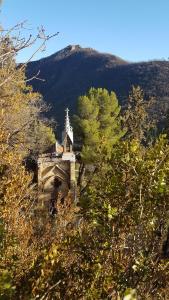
x=113, y=243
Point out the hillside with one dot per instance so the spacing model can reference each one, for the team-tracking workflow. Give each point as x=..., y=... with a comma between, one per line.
x=72, y=71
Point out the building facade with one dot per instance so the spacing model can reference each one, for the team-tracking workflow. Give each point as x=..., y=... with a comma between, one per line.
x=56, y=171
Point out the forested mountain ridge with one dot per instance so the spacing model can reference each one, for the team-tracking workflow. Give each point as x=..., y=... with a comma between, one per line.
x=70, y=72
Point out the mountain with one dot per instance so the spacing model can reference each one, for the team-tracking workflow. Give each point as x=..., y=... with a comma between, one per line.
x=70, y=72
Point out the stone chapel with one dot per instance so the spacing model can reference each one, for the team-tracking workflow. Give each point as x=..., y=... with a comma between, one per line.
x=56, y=170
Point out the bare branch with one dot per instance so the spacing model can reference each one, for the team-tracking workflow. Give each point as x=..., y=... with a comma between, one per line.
x=18, y=43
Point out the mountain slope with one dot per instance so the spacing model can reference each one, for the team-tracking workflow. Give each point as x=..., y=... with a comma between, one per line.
x=70, y=72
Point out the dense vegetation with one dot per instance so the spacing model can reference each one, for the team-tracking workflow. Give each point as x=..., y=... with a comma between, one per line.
x=21, y=129
x=116, y=242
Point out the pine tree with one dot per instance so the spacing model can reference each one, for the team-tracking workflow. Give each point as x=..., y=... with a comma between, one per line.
x=98, y=124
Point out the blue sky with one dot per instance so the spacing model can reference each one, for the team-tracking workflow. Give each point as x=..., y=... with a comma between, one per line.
x=135, y=30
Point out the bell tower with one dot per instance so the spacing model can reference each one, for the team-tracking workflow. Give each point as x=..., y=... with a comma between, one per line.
x=68, y=154
x=67, y=139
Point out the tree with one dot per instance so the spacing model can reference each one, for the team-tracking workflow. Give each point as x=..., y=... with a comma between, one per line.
x=139, y=117
x=98, y=125
x=21, y=107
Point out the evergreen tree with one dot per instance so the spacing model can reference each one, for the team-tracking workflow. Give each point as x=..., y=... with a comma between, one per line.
x=98, y=123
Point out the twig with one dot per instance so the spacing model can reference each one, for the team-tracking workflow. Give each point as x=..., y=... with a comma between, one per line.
x=51, y=288
x=140, y=197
